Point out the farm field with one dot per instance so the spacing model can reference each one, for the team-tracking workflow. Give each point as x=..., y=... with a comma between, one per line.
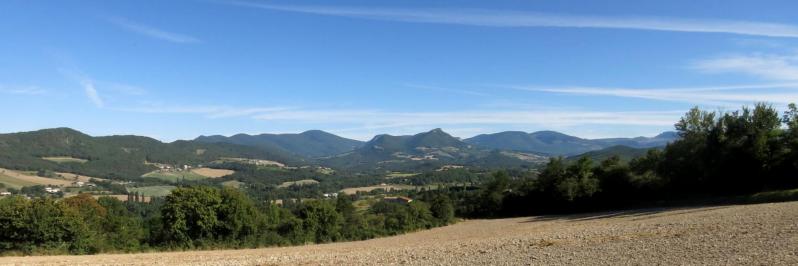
x=77, y=177
x=65, y=159
x=175, y=176
x=212, y=173
x=386, y=187
x=762, y=234
x=153, y=191
x=298, y=183
x=16, y=179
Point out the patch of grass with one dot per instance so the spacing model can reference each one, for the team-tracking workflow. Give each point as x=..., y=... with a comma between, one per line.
x=65, y=159
x=175, y=176
x=153, y=191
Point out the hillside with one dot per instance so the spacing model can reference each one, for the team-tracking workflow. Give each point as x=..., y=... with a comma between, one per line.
x=558, y=144
x=112, y=156
x=309, y=144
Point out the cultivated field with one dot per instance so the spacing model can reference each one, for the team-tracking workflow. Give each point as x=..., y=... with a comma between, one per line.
x=298, y=183
x=212, y=173
x=174, y=176
x=76, y=177
x=763, y=234
x=153, y=191
x=65, y=159
x=17, y=179
x=388, y=187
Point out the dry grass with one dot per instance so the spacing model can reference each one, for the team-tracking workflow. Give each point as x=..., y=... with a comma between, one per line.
x=212, y=173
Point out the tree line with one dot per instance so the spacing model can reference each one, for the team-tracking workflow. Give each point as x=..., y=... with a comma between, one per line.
x=718, y=154
x=201, y=217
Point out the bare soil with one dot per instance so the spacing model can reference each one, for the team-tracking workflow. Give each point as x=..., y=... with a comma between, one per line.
x=762, y=234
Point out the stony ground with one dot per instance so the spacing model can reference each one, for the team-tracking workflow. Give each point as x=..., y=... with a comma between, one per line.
x=763, y=234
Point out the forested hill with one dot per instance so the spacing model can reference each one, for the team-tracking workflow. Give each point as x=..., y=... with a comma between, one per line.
x=556, y=143
x=113, y=156
x=624, y=153
x=310, y=144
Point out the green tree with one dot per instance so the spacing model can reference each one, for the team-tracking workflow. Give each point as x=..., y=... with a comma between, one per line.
x=190, y=214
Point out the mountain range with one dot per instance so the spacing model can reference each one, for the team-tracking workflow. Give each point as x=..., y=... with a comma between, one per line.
x=126, y=156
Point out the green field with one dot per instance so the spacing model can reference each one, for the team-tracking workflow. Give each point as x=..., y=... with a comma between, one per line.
x=175, y=176
x=65, y=159
x=153, y=191
x=233, y=183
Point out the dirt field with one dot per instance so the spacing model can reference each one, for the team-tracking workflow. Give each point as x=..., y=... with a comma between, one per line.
x=764, y=234
x=212, y=173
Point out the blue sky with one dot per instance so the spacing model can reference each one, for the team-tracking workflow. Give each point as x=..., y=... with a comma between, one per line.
x=179, y=69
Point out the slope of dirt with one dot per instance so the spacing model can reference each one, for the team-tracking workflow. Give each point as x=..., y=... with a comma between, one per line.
x=746, y=234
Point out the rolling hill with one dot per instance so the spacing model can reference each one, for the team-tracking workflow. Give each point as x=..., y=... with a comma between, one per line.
x=559, y=144
x=625, y=153
x=309, y=144
x=113, y=156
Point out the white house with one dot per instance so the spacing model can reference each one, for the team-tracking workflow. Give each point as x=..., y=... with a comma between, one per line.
x=5, y=193
x=52, y=190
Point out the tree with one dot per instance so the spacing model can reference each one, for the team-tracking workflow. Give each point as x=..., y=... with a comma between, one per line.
x=321, y=222
x=238, y=217
x=189, y=214
x=442, y=208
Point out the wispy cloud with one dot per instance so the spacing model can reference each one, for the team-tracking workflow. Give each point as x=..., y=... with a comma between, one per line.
x=766, y=66
x=499, y=18
x=441, y=89
x=388, y=119
x=152, y=31
x=88, y=85
x=22, y=90
x=734, y=95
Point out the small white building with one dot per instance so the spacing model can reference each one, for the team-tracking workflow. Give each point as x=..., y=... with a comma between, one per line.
x=52, y=190
x=5, y=193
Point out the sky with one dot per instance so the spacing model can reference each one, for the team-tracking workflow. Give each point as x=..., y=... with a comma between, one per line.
x=179, y=69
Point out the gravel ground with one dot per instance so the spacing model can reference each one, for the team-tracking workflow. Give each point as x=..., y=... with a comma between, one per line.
x=762, y=234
